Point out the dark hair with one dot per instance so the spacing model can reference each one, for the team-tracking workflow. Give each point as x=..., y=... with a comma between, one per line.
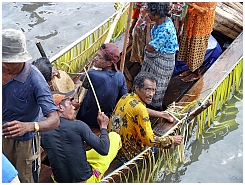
x=140, y=78
x=44, y=66
x=160, y=8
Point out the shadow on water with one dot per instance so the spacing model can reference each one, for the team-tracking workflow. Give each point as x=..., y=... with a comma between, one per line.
x=217, y=156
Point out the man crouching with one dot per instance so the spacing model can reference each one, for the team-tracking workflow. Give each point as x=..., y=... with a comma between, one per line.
x=69, y=160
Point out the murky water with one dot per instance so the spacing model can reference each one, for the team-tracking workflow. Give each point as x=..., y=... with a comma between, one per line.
x=217, y=157
x=54, y=24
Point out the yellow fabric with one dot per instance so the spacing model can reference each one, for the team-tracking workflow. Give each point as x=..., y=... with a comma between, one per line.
x=130, y=119
x=100, y=162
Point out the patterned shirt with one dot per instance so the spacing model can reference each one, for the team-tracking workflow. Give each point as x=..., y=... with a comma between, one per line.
x=130, y=119
x=164, y=38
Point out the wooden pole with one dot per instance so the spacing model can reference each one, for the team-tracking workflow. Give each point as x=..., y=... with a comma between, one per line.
x=113, y=25
x=126, y=37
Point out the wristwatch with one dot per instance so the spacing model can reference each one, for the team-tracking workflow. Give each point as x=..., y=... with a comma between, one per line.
x=36, y=127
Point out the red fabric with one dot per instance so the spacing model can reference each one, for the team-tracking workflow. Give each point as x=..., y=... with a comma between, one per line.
x=136, y=13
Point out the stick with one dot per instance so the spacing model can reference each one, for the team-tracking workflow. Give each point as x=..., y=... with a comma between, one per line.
x=113, y=25
x=40, y=49
x=186, y=121
x=126, y=37
x=92, y=89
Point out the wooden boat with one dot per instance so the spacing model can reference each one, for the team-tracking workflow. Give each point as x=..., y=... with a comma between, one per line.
x=224, y=74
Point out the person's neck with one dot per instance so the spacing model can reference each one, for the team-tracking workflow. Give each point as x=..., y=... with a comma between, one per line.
x=108, y=68
x=10, y=74
x=161, y=21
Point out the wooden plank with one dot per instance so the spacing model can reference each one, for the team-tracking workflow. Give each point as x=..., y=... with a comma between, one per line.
x=217, y=71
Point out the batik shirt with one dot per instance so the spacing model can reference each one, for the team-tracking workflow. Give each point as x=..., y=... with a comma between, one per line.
x=164, y=38
x=131, y=120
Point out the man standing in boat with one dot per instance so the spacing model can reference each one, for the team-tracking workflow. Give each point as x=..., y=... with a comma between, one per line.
x=24, y=91
x=130, y=119
x=109, y=84
x=69, y=160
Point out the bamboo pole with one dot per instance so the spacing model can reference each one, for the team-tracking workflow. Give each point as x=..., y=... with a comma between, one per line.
x=126, y=37
x=113, y=25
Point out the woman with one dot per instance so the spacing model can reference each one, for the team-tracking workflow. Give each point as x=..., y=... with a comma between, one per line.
x=198, y=26
x=161, y=46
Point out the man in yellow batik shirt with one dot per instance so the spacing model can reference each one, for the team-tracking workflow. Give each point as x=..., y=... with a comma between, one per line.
x=130, y=119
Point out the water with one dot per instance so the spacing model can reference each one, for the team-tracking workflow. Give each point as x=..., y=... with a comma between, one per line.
x=54, y=24
x=217, y=157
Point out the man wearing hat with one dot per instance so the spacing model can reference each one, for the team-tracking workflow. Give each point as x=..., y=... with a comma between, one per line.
x=24, y=91
x=109, y=84
x=69, y=160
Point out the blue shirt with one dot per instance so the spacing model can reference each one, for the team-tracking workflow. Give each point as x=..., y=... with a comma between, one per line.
x=109, y=87
x=8, y=170
x=23, y=96
x=164, y=38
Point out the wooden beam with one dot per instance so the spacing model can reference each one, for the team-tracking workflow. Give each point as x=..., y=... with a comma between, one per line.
x=126, y=37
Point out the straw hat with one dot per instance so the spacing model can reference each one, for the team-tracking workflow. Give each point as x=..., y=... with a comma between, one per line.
x=14, y=46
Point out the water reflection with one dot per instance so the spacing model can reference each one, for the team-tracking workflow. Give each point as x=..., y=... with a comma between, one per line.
x=217, y=156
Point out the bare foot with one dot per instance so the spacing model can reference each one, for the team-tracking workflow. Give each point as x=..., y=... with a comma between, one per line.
x=191, y=77
x=185, y=73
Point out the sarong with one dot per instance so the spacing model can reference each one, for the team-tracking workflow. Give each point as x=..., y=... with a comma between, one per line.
x=162, y=66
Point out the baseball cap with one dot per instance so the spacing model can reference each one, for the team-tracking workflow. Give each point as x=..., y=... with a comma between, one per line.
x=112, y=51
x=59, y=96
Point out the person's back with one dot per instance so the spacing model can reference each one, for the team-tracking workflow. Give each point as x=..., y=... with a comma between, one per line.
x=69, y=160
x=109, y=87
x=66, y=151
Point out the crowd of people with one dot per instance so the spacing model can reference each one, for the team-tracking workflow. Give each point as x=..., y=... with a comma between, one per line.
x=33, y=117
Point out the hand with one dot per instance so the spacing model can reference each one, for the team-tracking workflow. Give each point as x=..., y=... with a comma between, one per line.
x=103, y=120
x=167, y=116
x=178, y=139
x=14, y=128
x=55, y=73
x=75, y=103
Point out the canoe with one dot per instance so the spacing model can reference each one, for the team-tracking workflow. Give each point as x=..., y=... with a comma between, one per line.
x=204, y=96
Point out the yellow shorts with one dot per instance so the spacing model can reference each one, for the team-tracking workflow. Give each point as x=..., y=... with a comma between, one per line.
x=101, y=163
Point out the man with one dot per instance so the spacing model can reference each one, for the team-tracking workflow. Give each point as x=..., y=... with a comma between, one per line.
x=65, y=146
x=45, y=67
x=24, y=91
x=109, y=85
x=130, y=119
